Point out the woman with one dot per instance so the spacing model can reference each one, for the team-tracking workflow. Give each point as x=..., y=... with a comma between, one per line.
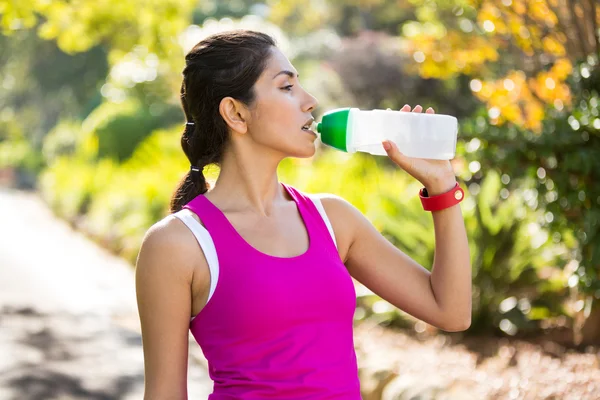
x=263, y=270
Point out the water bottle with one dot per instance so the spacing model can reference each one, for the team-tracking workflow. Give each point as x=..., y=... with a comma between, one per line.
x=419, y=135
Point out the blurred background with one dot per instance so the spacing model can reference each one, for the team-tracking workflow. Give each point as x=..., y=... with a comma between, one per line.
x=90, y=124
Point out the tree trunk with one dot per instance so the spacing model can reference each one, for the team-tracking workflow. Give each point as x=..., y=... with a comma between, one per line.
x=590, y=331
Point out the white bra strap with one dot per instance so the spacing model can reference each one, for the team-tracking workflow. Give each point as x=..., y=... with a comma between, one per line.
x=206, y=243
x=317, y=201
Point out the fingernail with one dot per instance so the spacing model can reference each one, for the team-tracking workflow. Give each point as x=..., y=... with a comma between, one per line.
x=387, y=146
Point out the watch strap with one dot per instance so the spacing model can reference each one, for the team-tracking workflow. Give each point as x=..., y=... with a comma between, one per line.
x=443, y=200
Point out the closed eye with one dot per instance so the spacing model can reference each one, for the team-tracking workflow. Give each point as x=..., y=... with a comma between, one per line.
x=288, y=87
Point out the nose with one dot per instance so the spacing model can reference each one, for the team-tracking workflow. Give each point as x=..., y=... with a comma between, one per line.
x=310, y=103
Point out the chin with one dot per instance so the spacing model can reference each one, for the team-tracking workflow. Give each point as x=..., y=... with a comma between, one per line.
x=299, y=148
x=301, y=153
x=308, y=152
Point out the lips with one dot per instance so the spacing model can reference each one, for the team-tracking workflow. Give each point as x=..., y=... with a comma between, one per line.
x=307, y=124
x=306, y=127
x=310, y=131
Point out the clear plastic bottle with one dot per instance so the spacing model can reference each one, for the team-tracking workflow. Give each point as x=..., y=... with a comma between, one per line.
x=419, y=135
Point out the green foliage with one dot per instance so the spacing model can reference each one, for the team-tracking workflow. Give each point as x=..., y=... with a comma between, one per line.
x=227, y=9
x=73, y=175
x=16, y=150
x=119, y=24
x=512, y=252
x=348, y=17
x=70, y=184
x=39, y=86
x=16, y=14
x=64, y=139
x=120, y=127
x=563, y=162
x=118, y=202
x=18, y=153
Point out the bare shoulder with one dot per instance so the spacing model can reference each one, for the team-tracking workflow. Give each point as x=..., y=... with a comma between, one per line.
x=169, y=247
x=337, y=207
x=344, y=218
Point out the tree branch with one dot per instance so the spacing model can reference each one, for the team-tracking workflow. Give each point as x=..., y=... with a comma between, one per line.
x=582, y=39
x=595, y=32
x=564, y=25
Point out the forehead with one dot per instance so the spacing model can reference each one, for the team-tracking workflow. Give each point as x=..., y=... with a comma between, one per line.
x=277, y=62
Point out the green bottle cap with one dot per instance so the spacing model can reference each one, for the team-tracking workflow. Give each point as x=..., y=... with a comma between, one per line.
x=333, y=128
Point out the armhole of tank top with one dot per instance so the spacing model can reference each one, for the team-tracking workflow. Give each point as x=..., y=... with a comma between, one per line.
x=206, y=243
x=317, y=202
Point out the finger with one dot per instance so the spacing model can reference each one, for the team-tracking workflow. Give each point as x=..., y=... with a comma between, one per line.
x=405, y=108
x=430, y=111
x=418, y=109
x=394, y=153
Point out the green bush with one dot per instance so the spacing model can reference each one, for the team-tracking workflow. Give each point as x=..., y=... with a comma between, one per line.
x=120, y=127
x=16, y=151
x=138, y=194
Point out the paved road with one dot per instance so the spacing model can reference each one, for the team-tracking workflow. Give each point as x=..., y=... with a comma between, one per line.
x=68, y=317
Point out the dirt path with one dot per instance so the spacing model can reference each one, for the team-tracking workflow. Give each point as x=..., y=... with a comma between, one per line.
x=68, y=317
x=438, y=367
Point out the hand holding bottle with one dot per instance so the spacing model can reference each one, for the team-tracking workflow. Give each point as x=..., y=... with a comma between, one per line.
x=429, y=135
x=436, y=175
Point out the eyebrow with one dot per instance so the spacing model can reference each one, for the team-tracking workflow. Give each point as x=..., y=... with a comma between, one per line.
x=288, y=73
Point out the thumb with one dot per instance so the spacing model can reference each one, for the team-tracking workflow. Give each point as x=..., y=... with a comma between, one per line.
x=395, y=154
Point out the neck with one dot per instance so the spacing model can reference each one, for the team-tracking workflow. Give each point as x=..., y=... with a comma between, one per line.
x=248, y=181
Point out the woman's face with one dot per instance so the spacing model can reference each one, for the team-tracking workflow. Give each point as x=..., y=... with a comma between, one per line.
x=282, y=108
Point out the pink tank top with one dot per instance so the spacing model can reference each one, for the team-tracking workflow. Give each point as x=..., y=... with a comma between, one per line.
x=278, y=328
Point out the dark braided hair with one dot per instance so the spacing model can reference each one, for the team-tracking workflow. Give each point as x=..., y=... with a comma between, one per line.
x=224, y=64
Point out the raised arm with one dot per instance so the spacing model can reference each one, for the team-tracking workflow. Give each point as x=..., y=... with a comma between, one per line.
x=441, y=297
x=164, y=274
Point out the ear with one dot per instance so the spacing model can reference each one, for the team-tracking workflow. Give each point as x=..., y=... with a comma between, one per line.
x=234, y=113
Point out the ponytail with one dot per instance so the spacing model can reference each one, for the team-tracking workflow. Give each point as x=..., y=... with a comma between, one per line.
x=193, y=183
x=221, y=65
